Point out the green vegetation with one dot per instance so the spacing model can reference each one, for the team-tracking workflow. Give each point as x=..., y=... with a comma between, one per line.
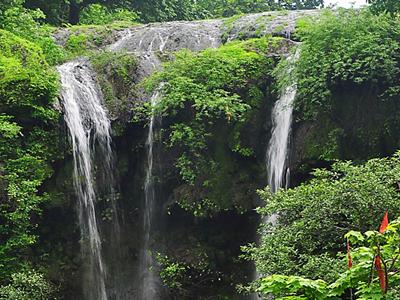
x=211, y=96
x=314, y=217
x=116, y=76
x=187, y=280
x=28, y=129
x=361, y=278
x=26, y=24
x=100, y=15
x=76, y=11
x=379, y=6
x=27, y=285
x=213, y=106
x=348, y=48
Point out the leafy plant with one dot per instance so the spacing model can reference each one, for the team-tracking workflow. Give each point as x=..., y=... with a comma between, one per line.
x=28, y=144
x=313, y=217
x=98, y=14
x=209, y=96
x=379, y=6
x=345, y=48
x=26, y=23
x=27, y=285
x=361, y=280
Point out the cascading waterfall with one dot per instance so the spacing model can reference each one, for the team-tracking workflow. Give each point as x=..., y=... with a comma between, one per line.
x=278, y=147
x=88, y=125
x=277, y=154
x=149, y=282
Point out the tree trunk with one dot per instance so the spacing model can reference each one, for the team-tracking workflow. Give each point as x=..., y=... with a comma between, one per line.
x=74, y=12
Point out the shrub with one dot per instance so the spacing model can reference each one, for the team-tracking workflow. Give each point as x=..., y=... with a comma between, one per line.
x=25, y=23
x=313, y=217
x=97, y=14
x=28, y=285
x=209, y=97
x=347, y=47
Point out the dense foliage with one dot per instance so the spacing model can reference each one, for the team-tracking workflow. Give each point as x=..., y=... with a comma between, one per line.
x=208, y=102
x=361, y=280
x=210, y=96
x=313, y=218
x=28, y=146
x=390, y=6
x=28, y=285
x=63, y=11
x=27, y=88
x=346, y=48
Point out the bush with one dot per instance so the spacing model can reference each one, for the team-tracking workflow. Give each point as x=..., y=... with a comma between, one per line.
x=27, y=82
x=209, y=97
x=313, y=218
x=28, y=285
x=379, y=6
x=28, y=144
x=346, y=48
x=97, y=14
x=361, y=281
x=25, y=23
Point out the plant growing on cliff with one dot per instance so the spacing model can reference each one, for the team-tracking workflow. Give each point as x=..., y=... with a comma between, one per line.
x=346, y=49
x=208, y=97
x=313, y=217
x=28, y=145
x=98, y=14
x=27, y=24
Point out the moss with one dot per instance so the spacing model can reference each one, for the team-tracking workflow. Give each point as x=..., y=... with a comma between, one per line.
x=86, y=39
x=77, y=44
x=324, y=143
x=116, y=74
x=280, y=28
x=228, y=25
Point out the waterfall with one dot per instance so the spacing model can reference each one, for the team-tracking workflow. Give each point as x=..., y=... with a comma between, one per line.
x=88, y=126
x=278, y=147
x=277, y=153
x=149, y=281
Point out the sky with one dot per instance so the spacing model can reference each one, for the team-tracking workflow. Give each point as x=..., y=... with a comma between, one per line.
x=345, y=3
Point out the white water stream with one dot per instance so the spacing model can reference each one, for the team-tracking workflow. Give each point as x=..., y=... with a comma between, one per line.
x=278, y=148
x=149, y=280
x=277, y=153
x=88, y=125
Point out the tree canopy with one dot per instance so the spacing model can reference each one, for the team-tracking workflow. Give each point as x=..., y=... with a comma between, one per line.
x=64, y=11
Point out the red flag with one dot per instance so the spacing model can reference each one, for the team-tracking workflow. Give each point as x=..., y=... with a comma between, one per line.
x=349, y=258
x=385, y=223
x=381, y=273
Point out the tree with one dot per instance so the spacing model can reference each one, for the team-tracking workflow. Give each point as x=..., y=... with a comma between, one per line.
x=314, y=217
x=69, y=11
x=28, y=126
x=60, y=11
x=362, y=280
x=389, y=6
